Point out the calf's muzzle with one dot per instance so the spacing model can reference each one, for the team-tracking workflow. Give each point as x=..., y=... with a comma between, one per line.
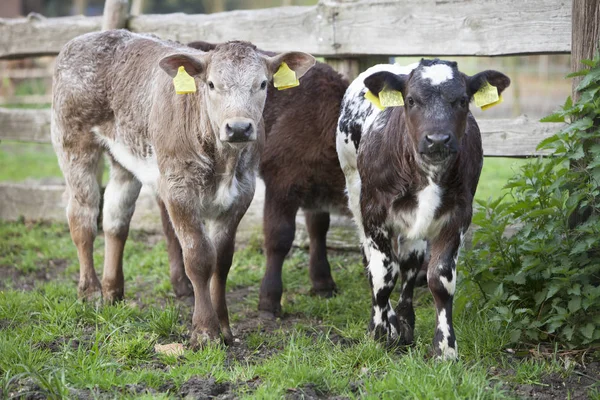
x=438, y=146
x=238, y=130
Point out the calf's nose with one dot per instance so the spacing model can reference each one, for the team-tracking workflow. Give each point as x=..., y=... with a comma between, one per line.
x=238, y=131
x=437, y=140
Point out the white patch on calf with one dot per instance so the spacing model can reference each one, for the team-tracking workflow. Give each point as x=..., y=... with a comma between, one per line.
x=119, y=204
x=226, y=193
x=448, y=353
x=449, y=285
x=376, y=268
x=406, y=247
x=145, y=169
x=437, y=73
x=460, y=246
x=420, y=223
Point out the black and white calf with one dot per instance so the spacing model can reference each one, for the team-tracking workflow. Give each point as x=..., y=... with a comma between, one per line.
x=411, y=174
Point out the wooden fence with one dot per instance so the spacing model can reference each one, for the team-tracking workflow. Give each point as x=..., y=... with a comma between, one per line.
x=344, y=32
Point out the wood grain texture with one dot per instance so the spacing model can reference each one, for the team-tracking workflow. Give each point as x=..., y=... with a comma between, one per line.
x=517, y=137
x=276, y=29
x=454, y=27
x=334, y=29
x=586, y=36
x=25, y=125
x=115, y=14
x=37, y=35
x=501, y=137
x=34, y=201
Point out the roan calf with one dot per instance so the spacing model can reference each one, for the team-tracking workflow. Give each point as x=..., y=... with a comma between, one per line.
x=300, y=168
x=199, y=151
x=411, y=174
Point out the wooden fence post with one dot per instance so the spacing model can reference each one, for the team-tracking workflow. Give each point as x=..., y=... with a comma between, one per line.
x=115, y=14
x=585, y=35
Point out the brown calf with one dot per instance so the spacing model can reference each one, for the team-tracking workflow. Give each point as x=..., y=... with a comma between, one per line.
x=113, y=92
x=300, y=168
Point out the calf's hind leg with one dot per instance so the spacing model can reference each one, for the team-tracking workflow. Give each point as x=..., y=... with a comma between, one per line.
x=79, y=164
x=317, y=224
x=382, y=270
x=119, y=203
x=179, y=280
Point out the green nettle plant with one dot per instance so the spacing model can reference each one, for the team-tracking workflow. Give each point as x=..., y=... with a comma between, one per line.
x=535, y=258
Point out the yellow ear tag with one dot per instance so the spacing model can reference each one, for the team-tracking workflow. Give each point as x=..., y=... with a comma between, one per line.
x=487, y=95
x=183, y=82
x=493, y=104
x=374, y=99
x=391, y=98
x=285, y=78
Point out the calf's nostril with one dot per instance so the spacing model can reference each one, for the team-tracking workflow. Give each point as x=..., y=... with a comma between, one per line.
x=437, y=139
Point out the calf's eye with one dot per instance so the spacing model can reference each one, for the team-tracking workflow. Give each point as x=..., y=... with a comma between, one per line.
x=211, y=85
x=263, y=85
x=463, y=102
x=410, y=101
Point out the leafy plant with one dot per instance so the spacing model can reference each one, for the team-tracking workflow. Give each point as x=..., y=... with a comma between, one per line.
x=542, y=282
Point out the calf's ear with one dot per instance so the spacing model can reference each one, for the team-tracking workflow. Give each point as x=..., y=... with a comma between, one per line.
x=385, y=79
x=298, y=62
x=202, y=45
x=495, y=78
x=193, y=65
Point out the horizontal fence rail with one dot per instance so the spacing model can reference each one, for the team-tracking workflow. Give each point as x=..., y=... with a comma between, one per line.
x=501, y=137
x=332, y=29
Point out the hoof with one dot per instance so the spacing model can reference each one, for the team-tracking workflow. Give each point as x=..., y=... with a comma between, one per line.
x=325, y=288
x=266, y=315
x=227, y=337
x=90, y=292
x=183, y=289
x=266, y=308
x=324, y=293
x=112, y=296
x=204, y=338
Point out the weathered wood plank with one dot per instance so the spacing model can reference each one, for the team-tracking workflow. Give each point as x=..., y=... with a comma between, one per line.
x=277, y=29
x=501, y=137
x=27, y=99
x=455, y=27
x=514, y=137
x=25, y=125
x=37, y=35
x=34, y=201
x=332, y=29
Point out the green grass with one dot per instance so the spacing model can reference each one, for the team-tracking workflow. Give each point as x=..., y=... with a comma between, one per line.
x=20, y=161
x=52, y=344
x=494, y=175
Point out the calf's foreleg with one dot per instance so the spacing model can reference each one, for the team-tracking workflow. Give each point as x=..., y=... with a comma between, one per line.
x=410, y=258
x=441, y=279
x=199, y=259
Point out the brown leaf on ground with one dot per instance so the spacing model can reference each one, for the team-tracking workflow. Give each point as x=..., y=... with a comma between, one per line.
x=171, y=349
